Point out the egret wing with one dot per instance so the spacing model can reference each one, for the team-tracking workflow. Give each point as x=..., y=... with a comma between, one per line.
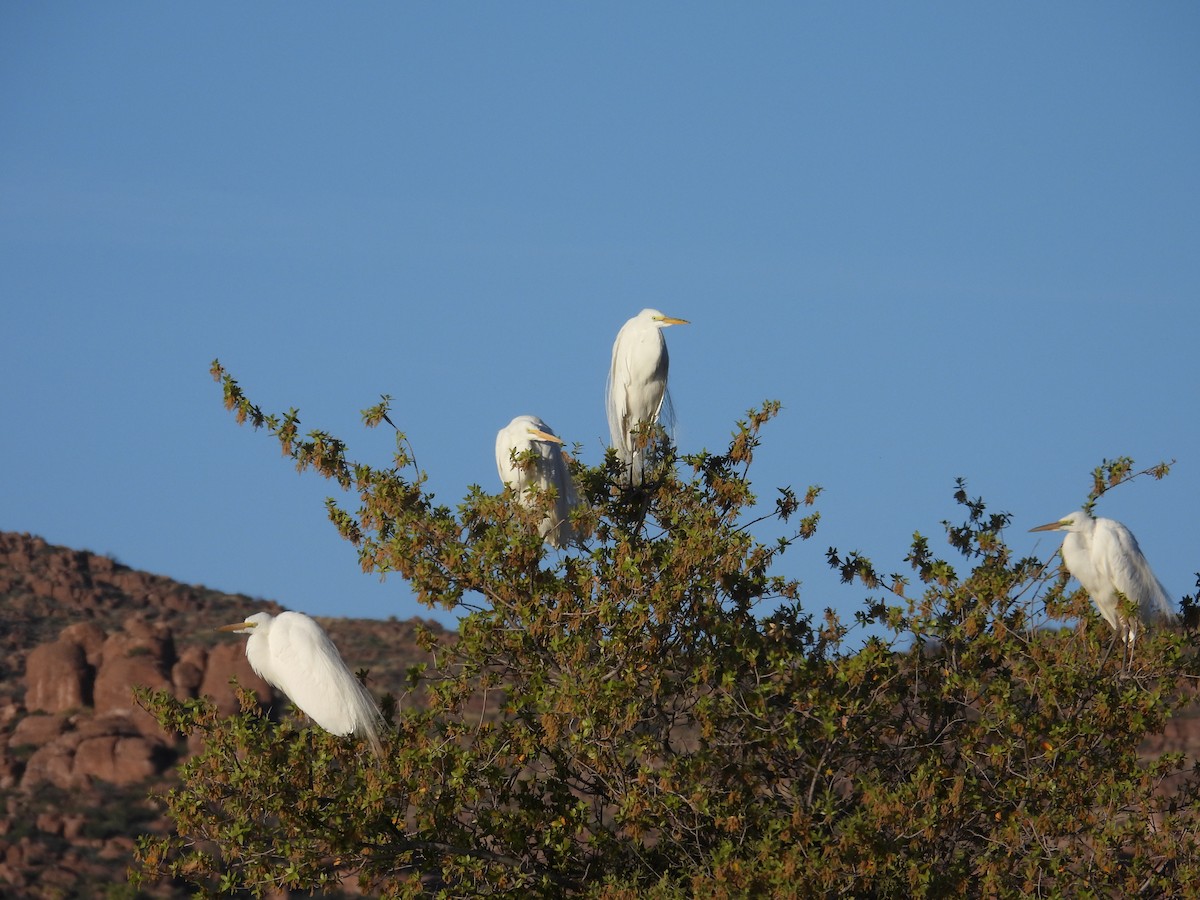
x=313, y=675
x=508, y=471
x=560, y=531
x=616, y=397
x=1119, y=558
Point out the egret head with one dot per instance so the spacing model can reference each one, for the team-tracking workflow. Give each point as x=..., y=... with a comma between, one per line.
x=1076, y=521
x=252, y=624
x=527, y=428
x=661, y=320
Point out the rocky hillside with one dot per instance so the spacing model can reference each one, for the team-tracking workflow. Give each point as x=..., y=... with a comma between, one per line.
x=78, y=758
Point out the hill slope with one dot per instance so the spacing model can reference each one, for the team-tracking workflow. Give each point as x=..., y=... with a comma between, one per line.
x=77, y=757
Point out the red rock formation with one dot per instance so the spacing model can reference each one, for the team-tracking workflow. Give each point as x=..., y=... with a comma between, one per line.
x=120, y=758
x=87, y=635
x=54, y=764
x=110, y=748
x=227, y=661
x=140, y=657
x=70, y=655
x=188, y=673
x=36, y=731
x=57, y=678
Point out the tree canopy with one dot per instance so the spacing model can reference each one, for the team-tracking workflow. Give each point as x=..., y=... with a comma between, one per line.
x=657, y=712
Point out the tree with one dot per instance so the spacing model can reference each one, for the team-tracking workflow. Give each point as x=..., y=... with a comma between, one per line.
x=657, y=714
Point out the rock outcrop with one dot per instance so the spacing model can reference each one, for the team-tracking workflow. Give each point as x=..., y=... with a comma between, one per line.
x=108, y=748
x=78, y=756
x=92, y=727
x=57, y=678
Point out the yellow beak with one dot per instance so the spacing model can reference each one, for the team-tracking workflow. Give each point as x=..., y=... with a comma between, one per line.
x=671, y=320
x=545, y=436
x=1049, y=526
x=237, y=626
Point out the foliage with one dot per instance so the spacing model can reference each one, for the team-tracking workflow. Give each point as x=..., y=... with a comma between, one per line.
x=656, y=714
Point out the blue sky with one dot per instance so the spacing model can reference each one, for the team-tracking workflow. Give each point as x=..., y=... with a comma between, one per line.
x=953, y=240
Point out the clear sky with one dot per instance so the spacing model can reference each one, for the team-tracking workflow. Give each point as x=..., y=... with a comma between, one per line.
x=953, y=239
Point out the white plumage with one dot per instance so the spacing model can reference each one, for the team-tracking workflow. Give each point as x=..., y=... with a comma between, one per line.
x=549, y=470
x=292, y=653
x=637, y=384
x=1105, y=558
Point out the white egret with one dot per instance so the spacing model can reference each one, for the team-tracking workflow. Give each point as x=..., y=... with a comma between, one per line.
x=549, y=470
x=292, y=653
x=637, y=384
x=1104, y=557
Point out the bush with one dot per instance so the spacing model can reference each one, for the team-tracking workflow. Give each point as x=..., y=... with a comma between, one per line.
x=657, y=715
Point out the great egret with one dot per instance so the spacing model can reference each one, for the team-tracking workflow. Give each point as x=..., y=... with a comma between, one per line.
x=1104, y=557
x=549, y=470
x=291, y=652
x=637, y=384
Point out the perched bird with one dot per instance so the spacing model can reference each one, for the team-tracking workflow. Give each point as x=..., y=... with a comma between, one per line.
x=637, y=385
x=549, y=470
x=292, y=653
x=1104, y=557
